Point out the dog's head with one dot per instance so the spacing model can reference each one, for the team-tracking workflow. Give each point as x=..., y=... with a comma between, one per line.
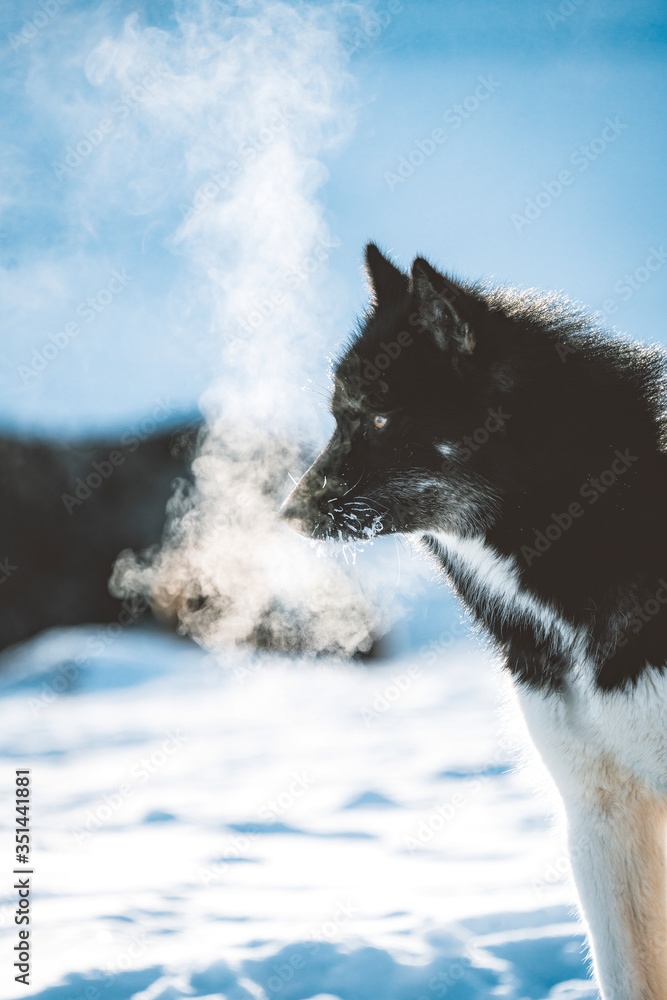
x=417, y=400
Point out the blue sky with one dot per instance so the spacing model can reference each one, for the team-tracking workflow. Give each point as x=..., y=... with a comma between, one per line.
x=517, y=95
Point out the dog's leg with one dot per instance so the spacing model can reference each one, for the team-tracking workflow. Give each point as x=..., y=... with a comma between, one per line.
x=617, y=848
x=617, y=832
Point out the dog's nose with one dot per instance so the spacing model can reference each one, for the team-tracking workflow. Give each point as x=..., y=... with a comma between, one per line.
x=293, y=511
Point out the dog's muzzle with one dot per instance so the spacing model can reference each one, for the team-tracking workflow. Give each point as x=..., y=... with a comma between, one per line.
x=295, y=512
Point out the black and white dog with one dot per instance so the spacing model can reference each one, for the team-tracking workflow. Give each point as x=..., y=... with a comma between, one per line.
x=527, y=448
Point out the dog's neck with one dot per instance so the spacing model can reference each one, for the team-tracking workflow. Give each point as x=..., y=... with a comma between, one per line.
x=542, y=639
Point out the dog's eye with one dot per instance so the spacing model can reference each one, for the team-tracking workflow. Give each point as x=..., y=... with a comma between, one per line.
x=379, y=422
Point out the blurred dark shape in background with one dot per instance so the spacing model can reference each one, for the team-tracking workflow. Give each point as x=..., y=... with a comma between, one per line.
x=68, y=509
x=74, y=513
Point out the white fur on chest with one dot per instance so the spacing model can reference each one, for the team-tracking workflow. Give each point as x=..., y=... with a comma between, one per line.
x=495, y=583
x=577, y=729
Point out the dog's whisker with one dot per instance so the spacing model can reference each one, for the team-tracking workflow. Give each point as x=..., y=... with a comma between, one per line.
x=355, y=485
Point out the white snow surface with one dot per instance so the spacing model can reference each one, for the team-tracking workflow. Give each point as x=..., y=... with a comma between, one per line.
x=256, y=828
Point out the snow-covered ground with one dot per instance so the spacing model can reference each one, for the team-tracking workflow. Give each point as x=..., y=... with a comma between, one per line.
x=249, y=827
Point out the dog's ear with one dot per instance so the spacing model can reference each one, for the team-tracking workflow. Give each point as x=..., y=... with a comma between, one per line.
x=387, y=283
x=436, y=296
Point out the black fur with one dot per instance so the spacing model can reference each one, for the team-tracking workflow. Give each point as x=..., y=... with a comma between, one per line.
x=555, y=404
